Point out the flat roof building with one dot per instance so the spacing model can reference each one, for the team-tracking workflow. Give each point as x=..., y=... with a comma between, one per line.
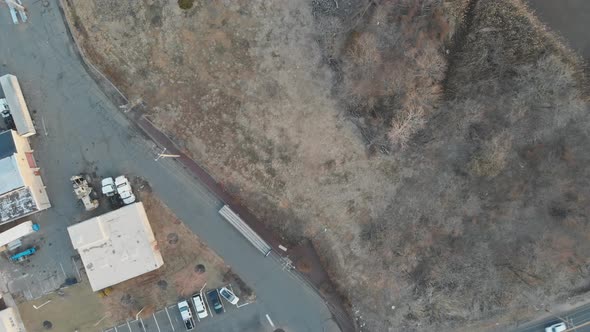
x=116, y=246
x=17, y=105
x=10, y=321
x=22, y=191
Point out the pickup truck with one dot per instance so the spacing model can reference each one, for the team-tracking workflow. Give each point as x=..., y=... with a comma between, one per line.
x=124, y=189
x=187, y=315
x=200, y=307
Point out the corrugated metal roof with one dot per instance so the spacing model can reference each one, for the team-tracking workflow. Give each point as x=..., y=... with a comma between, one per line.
x=7, y=146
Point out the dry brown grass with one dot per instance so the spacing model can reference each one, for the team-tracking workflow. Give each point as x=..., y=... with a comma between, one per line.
x=490, y=161
x=393, y=67
x=300, y=111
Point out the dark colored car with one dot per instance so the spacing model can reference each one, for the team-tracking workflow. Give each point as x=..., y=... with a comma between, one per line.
x=215, y=301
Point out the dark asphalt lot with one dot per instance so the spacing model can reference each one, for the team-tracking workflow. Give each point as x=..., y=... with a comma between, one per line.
x=575, y=317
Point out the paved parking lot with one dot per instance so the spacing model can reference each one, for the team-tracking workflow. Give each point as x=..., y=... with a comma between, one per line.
x=245, y=318
x=48, y=268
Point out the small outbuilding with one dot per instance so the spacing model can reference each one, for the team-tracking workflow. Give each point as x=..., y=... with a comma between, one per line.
x=17, y=106
x=116, y=246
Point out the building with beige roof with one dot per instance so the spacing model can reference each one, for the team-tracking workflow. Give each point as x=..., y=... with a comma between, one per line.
x=116, y=246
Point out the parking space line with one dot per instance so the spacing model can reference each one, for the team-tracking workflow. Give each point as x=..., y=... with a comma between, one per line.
x=207, y=304
x=116, y=329
x=128, y=326
x=170, y=319
x=62, y=270
x=77, y=270
x=30, y=293
x=156, y=320
x=243, y=304
x=270, y=321
x=143, y=326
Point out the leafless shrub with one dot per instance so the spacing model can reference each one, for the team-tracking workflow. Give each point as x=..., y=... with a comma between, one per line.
x=549, y=83
x=396, y=56
x=490, y=161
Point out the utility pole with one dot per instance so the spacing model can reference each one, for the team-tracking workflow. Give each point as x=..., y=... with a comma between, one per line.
x=164, y=155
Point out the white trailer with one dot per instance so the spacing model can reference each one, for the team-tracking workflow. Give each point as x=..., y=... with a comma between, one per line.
x=17, y=232
x=17, y=106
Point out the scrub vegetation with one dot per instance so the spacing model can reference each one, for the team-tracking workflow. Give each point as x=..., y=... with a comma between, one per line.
x=435, y=151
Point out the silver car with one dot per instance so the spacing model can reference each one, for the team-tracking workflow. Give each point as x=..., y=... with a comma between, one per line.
x=229, y=295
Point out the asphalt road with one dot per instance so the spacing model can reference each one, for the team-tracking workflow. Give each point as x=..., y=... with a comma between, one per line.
x=576, y=317
x=79, y=130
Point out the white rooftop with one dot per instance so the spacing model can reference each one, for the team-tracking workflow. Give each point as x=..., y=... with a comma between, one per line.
x=10, y=177
x=116, y=246
x=10, y=321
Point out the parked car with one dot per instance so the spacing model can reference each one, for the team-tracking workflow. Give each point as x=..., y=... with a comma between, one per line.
x=5, y=112
x=124, y=189
x=229, y=295
x=187, y=315
x=108, y=187
x=200, y=307
x=215, y=301
x=556, y=327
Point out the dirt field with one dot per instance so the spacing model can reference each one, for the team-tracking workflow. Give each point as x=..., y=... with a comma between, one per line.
x=432, y=150
x=77, y=309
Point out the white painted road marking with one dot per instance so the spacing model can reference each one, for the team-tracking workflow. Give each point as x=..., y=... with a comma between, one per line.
x=270, y=321
x=170, y=319
x=155, y=320
x=39, y=307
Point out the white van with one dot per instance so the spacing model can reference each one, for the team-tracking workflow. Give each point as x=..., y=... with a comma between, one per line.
x=186, y=314
x=200, y=306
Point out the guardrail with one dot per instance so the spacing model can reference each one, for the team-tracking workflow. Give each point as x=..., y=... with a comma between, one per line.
x=234, y=219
